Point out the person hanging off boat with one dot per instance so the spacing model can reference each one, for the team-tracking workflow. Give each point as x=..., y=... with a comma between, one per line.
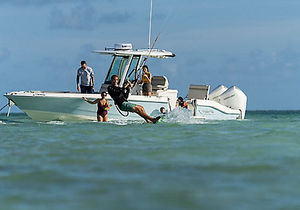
x=103, y=107
x=86, y=75
x=146, y=80
x=120, y=96
x=182, y=103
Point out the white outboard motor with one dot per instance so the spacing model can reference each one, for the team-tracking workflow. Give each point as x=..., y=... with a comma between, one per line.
x=214, y=95
x=234, y=98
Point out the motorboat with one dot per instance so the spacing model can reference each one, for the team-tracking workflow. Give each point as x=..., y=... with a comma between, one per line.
x=220, y=104
x=126, y=63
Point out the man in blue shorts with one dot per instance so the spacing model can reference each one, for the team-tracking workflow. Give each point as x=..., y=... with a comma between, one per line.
x=120, y=95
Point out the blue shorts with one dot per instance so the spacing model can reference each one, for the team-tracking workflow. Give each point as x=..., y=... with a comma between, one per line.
x=86, y=89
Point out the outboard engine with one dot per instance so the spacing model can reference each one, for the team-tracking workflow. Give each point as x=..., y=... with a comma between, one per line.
x=214, y=95
x=234, y=98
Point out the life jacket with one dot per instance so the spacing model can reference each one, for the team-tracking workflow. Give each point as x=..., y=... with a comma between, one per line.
x=183, y=104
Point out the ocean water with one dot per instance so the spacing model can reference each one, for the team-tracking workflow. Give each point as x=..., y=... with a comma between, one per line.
x=176, y=164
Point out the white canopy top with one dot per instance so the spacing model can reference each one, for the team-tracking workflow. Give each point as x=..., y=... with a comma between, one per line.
x=155, y=53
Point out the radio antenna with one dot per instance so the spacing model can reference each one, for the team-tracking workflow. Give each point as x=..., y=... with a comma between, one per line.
x=149, y=40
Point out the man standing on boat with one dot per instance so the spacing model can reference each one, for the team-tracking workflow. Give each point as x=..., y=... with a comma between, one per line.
x=120, y=95
x=86, y=75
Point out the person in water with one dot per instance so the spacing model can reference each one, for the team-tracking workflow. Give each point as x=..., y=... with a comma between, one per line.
x=146, y=80
x=103, y=107
x=162, y=110
x=120, y=96
x=182, y=103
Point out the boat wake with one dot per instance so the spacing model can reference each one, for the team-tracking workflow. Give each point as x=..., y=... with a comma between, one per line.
x=181, y=116
x=54, y=123
x=177, y=116
x=9, y=122
x=126, y=122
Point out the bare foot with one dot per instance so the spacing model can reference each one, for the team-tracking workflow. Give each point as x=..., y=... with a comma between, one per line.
x=156, y=119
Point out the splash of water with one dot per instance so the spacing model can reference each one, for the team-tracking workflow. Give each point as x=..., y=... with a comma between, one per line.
x=182, y=116
x=54, y=123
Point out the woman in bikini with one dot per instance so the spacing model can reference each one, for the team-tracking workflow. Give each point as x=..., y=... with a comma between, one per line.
x=103, y=107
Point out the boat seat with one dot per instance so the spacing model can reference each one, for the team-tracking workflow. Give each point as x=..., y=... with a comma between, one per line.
x=159, y=83
x=198, y=92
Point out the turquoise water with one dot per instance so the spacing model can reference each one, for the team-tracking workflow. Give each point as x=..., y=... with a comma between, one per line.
x=250, y=164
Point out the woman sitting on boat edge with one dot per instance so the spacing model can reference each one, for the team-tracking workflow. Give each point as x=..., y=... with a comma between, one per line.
x=103, y=107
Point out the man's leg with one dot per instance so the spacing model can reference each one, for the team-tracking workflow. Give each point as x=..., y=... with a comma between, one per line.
x=83, y=89
x=89, y=89
x=127, y=106
x=141, y=111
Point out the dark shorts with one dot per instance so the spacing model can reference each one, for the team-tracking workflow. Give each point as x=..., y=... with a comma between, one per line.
x=147, y=87
x=127, y=106
x=86, y=89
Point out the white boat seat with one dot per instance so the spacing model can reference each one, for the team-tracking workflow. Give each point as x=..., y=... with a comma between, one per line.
x=198, y=92
x=159, y=83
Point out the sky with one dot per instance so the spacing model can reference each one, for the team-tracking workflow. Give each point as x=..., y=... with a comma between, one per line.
x=254, y=45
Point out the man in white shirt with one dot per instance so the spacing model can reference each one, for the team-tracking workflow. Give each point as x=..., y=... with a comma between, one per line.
x=86, y=75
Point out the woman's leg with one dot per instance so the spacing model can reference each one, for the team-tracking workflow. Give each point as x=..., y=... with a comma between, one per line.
x=99, y=118
x=105, y=118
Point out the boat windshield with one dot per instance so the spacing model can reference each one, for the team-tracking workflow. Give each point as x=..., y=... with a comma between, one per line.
x=117, y=67
x=132, y=71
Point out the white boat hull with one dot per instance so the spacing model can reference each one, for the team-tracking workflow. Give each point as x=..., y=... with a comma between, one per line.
x=49, y=106
x=211, y=110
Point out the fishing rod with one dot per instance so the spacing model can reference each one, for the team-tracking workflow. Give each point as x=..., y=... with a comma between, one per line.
x=149, y=44
x=145, y=59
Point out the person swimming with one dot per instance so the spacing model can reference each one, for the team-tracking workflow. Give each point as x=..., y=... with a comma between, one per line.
x=163, y=110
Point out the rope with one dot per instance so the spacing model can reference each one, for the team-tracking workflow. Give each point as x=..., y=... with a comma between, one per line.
x=4, y=107
x=124, y=115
